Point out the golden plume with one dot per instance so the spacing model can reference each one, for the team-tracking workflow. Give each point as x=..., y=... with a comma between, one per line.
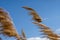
x=23, y=35
x=6, y=25
x=47, y=32
x=36, y=17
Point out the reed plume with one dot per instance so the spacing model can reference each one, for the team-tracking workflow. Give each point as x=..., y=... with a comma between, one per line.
x=47, y=32
x=23, y=35
x=6, y=25
x=36, y=17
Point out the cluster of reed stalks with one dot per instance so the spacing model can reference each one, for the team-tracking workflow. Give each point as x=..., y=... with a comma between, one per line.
x=7, y=28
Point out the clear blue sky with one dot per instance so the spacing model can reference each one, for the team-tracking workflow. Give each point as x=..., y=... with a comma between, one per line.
x=45, y=8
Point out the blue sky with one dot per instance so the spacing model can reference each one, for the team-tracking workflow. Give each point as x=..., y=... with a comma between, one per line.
x=49, y=10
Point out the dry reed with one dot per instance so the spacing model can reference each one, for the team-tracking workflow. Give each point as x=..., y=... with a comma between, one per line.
x=7, y=27
x=23, y=35
x=36, y=17
x=47, y=32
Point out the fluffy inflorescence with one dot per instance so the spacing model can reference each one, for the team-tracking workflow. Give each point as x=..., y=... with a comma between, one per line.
x=6, y=25
x=47, y=32
x=36, y=17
